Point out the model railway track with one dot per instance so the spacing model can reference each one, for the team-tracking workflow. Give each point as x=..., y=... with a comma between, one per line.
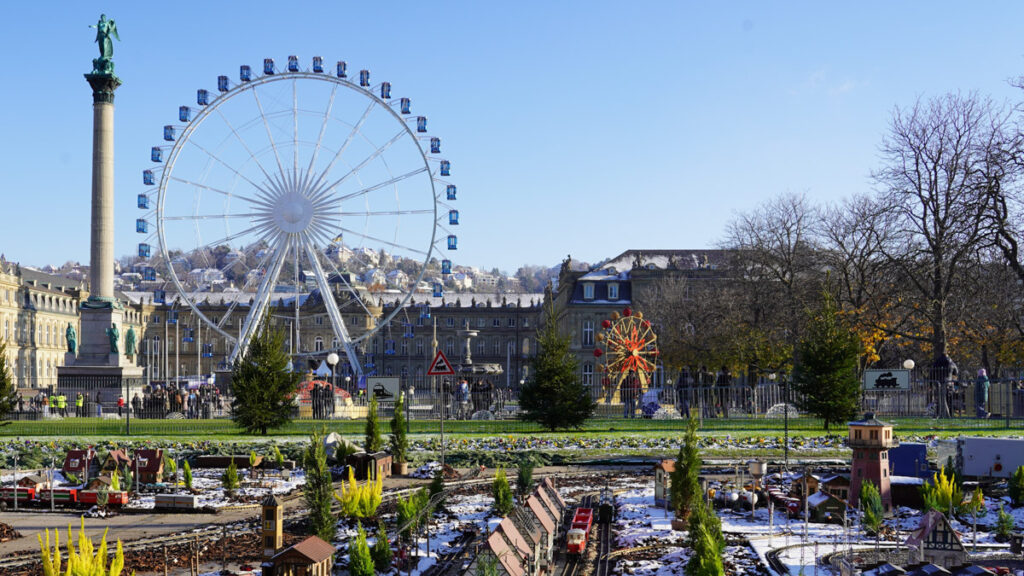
x=451, y=562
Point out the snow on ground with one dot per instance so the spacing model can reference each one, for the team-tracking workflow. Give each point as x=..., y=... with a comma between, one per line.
x=207, y=481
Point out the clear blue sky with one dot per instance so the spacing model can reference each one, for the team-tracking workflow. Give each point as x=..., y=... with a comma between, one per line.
x=573, y=127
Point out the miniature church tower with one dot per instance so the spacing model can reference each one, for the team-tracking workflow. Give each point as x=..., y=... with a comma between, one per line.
x=871, y=440
x=273, y=520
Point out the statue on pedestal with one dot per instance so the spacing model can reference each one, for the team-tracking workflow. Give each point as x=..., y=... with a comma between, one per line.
x=115, y=339
x=129, y=343
x=104, y=30
x=72, y=337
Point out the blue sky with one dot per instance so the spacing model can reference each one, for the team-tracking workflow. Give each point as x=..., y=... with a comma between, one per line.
x=573, y=127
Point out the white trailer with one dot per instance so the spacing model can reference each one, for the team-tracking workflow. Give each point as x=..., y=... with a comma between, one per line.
x=979, y=457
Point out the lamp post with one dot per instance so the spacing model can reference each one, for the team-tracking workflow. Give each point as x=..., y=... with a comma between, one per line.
x=332, y=361
x=785, y=415
x=908, y=365
x=348, y=384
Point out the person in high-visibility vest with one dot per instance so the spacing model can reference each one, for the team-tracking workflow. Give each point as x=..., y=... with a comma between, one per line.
x=80, y=405
x=54, y=407
x=62, y=401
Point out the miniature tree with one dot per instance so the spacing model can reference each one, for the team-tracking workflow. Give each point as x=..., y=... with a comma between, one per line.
x=360, y=501
x=872, y=512
x=83, y=560
x=399, y=442
x=704, y=537
x=943, y=494
x=8, y=395
x=129, y=480
x=264, y=389
x=187, y=471
x=685, y=483
x=115, y=481
x=503, y=502
x=381, y=551
x=1004, y=525
x=230, y=477
x=1016, y=486
x=318, y=490
x=360, y=563
x=524, y=477
x=373, y=439
x=171, y=469
x=278, y=457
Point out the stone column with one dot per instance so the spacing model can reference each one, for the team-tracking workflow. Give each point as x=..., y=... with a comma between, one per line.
x=101, y=256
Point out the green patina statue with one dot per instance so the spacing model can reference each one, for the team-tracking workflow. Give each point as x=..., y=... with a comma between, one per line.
x=115, y=339
x=72, y=338
x=105, y=29
x=129, y=343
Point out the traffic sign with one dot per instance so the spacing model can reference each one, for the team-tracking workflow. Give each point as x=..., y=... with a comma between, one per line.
x=440, y=366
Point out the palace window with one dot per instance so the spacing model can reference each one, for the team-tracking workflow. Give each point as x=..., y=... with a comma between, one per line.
x=588, y=374
x=588, y=291
x=613, y=291
x=588, y=332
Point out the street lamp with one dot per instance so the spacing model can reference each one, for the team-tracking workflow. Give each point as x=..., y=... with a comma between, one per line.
x=348, y=384
x=908, y=364
x=332, y=361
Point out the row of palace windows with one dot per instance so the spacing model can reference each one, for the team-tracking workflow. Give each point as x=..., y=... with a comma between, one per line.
x=47, y=302
x=613, y=291
x=498, y=346
x=45, y=335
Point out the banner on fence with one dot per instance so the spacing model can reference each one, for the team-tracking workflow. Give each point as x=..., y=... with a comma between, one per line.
x=886, y=380
x=385, y=388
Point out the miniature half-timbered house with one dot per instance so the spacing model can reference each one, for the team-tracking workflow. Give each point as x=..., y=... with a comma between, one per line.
x=83, y=463
x=148, y=465
x=936, y=541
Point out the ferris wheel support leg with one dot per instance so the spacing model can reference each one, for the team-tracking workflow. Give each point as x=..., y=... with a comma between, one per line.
x=259, y=305
x=333, y=313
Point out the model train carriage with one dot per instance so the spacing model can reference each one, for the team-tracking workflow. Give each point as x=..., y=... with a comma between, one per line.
x=25, y=495
x=579, y=531
x=59, y=496
x=606, y=511
x=113, y=498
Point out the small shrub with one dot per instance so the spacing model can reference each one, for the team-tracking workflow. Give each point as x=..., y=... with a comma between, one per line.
x=115, y=481
x=360, y=563
x=81, y=561
x=1004, y=525
x=373, y=439
x=360, y=501
x=871, y=508
x=524, y=477
x=230, y=477
x=437, y=487
x=381, y=551
x=1017, y=487
x=503, y=502
x=187, y=471
x=278, y=457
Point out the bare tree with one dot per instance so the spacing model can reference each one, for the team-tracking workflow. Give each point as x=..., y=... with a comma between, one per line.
x=934, y=182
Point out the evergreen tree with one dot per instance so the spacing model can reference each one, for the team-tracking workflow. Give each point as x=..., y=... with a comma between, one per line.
x=263, y=387
x=524, y=477
x=1004, y=525
x=503, y=503
x=399, y=442
x=872, y=512
x=826, y=372
x=8, y=395
x=1017, y=487
x=554, y=396
x=437, y=487
x=685, y=489
x=230, y=477
x=318, y=490
x=187, y=470
x=373, y=439
x=360, y=563
x=704, y=537
x=381, y=551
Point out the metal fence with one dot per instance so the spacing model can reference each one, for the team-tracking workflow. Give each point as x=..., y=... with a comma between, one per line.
x=202, y=405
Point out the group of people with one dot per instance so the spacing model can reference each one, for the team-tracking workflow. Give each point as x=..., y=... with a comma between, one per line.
x=465, y=399
x=56, y=404
x=157, y=401
x=321, y=396
x=710, y=391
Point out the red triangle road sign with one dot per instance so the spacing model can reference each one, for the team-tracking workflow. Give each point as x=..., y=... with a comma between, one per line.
x=440, y=366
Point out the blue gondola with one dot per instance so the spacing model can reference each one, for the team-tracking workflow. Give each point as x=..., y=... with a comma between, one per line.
x=453, y=242
x=268, y=66
x=222, y=83
x=293, y=63
x=149, y=274
x=438, y=290
x=453, y=217
x=184, y=114
x=364, y=78
x=318, y=64
x=169, y=133
x=172, y=317
x=189, y=335
x=446, y=168
x=409, y=331
x=405, y=105
x=385, y=91
x=143, y=202
x=141, y=226
x=144, y=250
x=389, y=347
x=425, y=312
x=342, y=67
x=202, y=97
x=421, y=123
x=446, y=266
x=147, y=178
x=450, y=191
x=159, y=296
x=156, y=154
x=207, y=350
x=245, y=73
x=435, y=145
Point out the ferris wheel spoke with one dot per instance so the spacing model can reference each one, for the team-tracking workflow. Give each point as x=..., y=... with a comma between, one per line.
x=389, y=212
x=382, y=241
x=213, y=216
x=219, y=191
x=380, y=150
x=369, y=189
x=245, y=145
x=261, y=299
x=233, y=170
x=253, y=229
x=337, y=321
x=323, y=128
x=352, y=290
x=295, y=126
x=348, y=139
x=270, y=136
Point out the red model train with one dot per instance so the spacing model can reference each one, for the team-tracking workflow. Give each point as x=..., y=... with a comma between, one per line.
x=579, y=531
x=61, y=497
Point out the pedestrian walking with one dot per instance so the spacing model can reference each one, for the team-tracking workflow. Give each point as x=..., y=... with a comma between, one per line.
x=981, y=386
x=120, y=404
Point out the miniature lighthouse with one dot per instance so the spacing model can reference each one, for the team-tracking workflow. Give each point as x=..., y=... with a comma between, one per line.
x=273, y=520
x=870, y=440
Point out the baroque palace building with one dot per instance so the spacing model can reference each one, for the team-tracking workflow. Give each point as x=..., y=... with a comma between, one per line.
x=35, y=310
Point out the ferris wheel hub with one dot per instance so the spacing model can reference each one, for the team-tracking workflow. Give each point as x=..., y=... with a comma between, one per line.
x=293, y=212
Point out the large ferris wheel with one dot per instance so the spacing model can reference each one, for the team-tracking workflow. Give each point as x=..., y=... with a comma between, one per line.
x=281, y=182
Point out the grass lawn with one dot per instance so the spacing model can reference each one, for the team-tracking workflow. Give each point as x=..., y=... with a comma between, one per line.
x=223, y=429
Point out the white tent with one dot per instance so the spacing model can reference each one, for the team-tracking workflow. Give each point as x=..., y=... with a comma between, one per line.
x=323, y=371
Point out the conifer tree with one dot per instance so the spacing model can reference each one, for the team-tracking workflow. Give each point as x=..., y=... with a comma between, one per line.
x=230, y=477
x=360, y=563
x=826, y=373
x=263, y=387
x=524, y=477
x=187, y=471
x=399, y=442
x=872, y=512
x=318, y=490
x=704, y=537
x=503, y=503
x=436, y=487
x=381, y=551
x=685, y=482
x=8, y=395
x=373, y=439
x=554, y=395
x=1016, y=486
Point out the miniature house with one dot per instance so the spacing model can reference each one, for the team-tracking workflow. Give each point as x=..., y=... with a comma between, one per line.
x=825, y=507
x=34, y=481
x=808, y=481
x=837, y=485
x=148, y=465
x=663, y=481
x=936, y=541
x=311, y=557
x=272, y=520
x=116, y=460
x=83, y=463
x=870, y=439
